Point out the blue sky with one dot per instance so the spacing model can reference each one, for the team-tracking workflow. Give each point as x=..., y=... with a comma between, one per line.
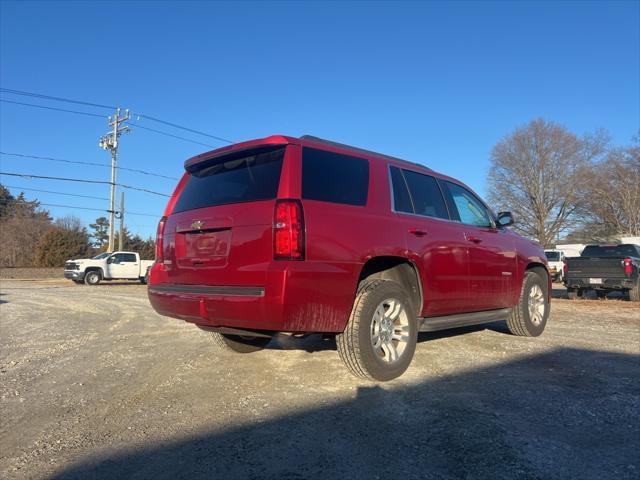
x=436, y=83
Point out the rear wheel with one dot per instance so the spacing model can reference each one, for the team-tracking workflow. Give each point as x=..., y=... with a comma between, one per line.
x=529, y=317
x=574, y=293
x=634, y=293
x=601, y=293
x=92, y=278
x=380, y=338
x=239, y=343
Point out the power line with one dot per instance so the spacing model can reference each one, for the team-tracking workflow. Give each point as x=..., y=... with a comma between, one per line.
x=87, y=163
x=56, y=193
x=95, y=209
x=81, y=180
x=59, y=99
x=135, y=125
x=52, y=108
x=102, y=116
x=140, y=115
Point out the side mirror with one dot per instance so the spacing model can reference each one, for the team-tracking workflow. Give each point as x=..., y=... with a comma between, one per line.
x=505, y=219
x=111, y=260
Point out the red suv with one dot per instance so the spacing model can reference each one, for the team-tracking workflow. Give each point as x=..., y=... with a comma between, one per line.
x=303, y=235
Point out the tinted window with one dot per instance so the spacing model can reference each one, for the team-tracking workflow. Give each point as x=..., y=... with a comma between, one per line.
x=425, y=195
x=470, y=210
x=128, y=257
x=332, y=177
x=610, y=251
x=401, y=199
x=236, y=179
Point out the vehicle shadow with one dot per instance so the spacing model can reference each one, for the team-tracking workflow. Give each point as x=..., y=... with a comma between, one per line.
x=568, y=413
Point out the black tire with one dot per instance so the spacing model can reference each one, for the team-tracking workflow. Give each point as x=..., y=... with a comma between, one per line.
x=574, y=293
x=239, y=344
x=356, y=343
x=634, y=293
x=601, y=294
x=144, y=280
x=521, y=322
x=92, y=278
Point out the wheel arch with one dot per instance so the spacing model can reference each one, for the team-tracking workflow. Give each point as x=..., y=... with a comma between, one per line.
x=398, y=269
x=542, y=271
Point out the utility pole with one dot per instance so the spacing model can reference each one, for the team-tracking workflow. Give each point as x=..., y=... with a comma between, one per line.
x=110, y=142
x=121, y=235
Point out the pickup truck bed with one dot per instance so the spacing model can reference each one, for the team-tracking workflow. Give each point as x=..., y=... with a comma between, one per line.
x=601, y=269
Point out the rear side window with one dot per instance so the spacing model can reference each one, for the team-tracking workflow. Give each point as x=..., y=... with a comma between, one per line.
x=333, y=177
x=244, y=177
x=129, y=257
x=426, y=195
x=417, y=193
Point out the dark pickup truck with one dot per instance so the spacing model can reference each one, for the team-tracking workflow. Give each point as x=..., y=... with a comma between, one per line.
x=604, y=268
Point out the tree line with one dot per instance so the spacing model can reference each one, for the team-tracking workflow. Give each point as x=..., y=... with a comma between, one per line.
x=30, y=237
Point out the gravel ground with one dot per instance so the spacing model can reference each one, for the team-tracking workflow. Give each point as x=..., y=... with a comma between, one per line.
x=96, y=385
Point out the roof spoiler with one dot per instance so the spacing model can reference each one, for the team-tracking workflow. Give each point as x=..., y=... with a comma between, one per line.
x=229, y=153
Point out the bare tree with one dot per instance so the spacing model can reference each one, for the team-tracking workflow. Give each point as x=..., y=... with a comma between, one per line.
x=612, y=196
x=538, y=171
x=69, y=222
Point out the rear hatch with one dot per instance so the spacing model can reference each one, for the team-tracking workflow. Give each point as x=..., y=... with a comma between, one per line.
x=220, y=231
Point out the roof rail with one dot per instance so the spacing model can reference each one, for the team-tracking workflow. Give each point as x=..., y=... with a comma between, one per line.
x=359, y=150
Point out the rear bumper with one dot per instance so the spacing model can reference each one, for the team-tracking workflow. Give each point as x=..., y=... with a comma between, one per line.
x=616, y=283
x=74, y=275
x=296, y=297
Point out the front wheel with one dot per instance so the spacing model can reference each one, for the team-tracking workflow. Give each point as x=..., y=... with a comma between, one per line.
x=529, y=316
x=239, y=343
x=92, y=278
x=380, y=338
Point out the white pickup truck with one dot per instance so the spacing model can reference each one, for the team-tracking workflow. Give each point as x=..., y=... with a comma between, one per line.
x=556, y=259
x=108, y=266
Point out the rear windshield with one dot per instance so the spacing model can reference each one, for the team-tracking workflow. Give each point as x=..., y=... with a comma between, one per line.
x=610, y=251
x=552, y=256
x=247, y=178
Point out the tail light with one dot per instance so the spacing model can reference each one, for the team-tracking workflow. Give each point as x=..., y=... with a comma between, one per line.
x=628, y=267
x=288, y=230
x=565, y=267
x=160, y=240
